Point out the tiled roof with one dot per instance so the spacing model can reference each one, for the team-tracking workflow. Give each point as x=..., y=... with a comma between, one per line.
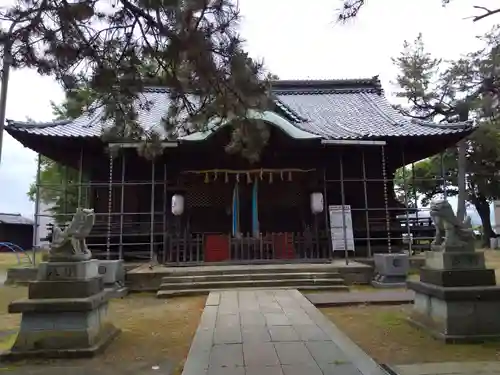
x=333, y=109
x=14, y=219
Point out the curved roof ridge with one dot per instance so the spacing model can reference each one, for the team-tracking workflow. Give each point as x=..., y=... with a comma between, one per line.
x=293, y=115
x=442, y=125
x=269, y=117
x=30, y=124
x=326, y=85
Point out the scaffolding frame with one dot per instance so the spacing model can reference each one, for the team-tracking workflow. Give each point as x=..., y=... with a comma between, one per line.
x=155, y=233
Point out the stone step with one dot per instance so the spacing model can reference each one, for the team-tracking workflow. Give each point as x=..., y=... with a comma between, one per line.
x=195, y=292
x=251, y=269
x=292, y=283
x=251, y=276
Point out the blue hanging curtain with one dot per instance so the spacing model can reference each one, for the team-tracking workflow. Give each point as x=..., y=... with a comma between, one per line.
x=236, y=210
x=255, y=209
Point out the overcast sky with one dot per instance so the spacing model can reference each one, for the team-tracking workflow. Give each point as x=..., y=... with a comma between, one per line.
x=297, y=40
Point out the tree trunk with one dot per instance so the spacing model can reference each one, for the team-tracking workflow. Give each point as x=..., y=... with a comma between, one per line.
x=483, y=209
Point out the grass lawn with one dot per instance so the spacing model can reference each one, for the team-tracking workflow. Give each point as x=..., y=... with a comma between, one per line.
x=153, y=331
x=383, y=333
x=9, y=259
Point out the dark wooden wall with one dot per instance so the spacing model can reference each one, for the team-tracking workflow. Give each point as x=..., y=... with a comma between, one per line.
x=21, y=235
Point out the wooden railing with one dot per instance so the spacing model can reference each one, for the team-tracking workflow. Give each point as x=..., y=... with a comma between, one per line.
x=207, y=247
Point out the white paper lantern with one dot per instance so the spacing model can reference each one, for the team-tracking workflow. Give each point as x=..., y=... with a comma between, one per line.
x=177, y=205
x=317, y=203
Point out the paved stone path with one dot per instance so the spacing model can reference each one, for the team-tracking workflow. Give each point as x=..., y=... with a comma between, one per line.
x=382, y=297
x=271, y=332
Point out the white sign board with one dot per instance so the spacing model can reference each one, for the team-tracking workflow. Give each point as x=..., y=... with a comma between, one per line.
x=337, y=225
x=496, y=210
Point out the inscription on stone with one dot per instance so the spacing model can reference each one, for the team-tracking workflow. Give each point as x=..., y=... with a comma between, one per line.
x=465, y=259
x=55, y=273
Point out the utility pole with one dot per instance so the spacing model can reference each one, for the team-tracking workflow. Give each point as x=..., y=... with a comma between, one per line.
x=6, y=64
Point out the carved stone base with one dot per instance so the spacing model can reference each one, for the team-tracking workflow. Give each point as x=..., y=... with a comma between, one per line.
x=65, y=288
x=68, y=270
x=69, y=258
x=106, y=337
x=390, y=270
x=458, y=314
x=456, y=278
x=66, y=313
x=454, y=260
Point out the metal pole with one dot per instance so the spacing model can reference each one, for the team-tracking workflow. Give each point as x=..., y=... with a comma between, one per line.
x=80, y=179
x=415, y=198
x=6, y=64
x=152, y=236
x=342, y=197
x=122, y=203
x=37, y=208
x=65, y=192
x=386, y=202
x=405, y=188
x=327, y=213
x=367, y=218
x=463, y=115
x=443, y=174
x=462, y=146
x=110, y=206
x=164, y=210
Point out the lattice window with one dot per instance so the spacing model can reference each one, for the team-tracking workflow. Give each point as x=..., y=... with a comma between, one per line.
x=208, y=195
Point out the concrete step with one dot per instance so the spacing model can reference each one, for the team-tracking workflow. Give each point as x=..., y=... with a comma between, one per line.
x=291, y=283
x=195, y=292
x=251, y=269
x=250, y=276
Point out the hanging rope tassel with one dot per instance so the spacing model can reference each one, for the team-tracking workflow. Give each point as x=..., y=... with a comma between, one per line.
x=289, y=176
x=249, y=178
x=238, y=177
x=226, y=178
x=215, y=176
x=270, y=177
x=261, y=174
x=207, y=179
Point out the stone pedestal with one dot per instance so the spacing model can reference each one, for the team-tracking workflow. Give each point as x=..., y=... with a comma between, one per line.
x=391, y=270
x=65, y=314
x=113, y=274
x=457, y=298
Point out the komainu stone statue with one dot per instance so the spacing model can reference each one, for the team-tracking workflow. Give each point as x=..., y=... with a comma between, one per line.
x=451, y=234
x=69, y=244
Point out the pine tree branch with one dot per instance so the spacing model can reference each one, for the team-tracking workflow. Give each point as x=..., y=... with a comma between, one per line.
x=487, y=13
